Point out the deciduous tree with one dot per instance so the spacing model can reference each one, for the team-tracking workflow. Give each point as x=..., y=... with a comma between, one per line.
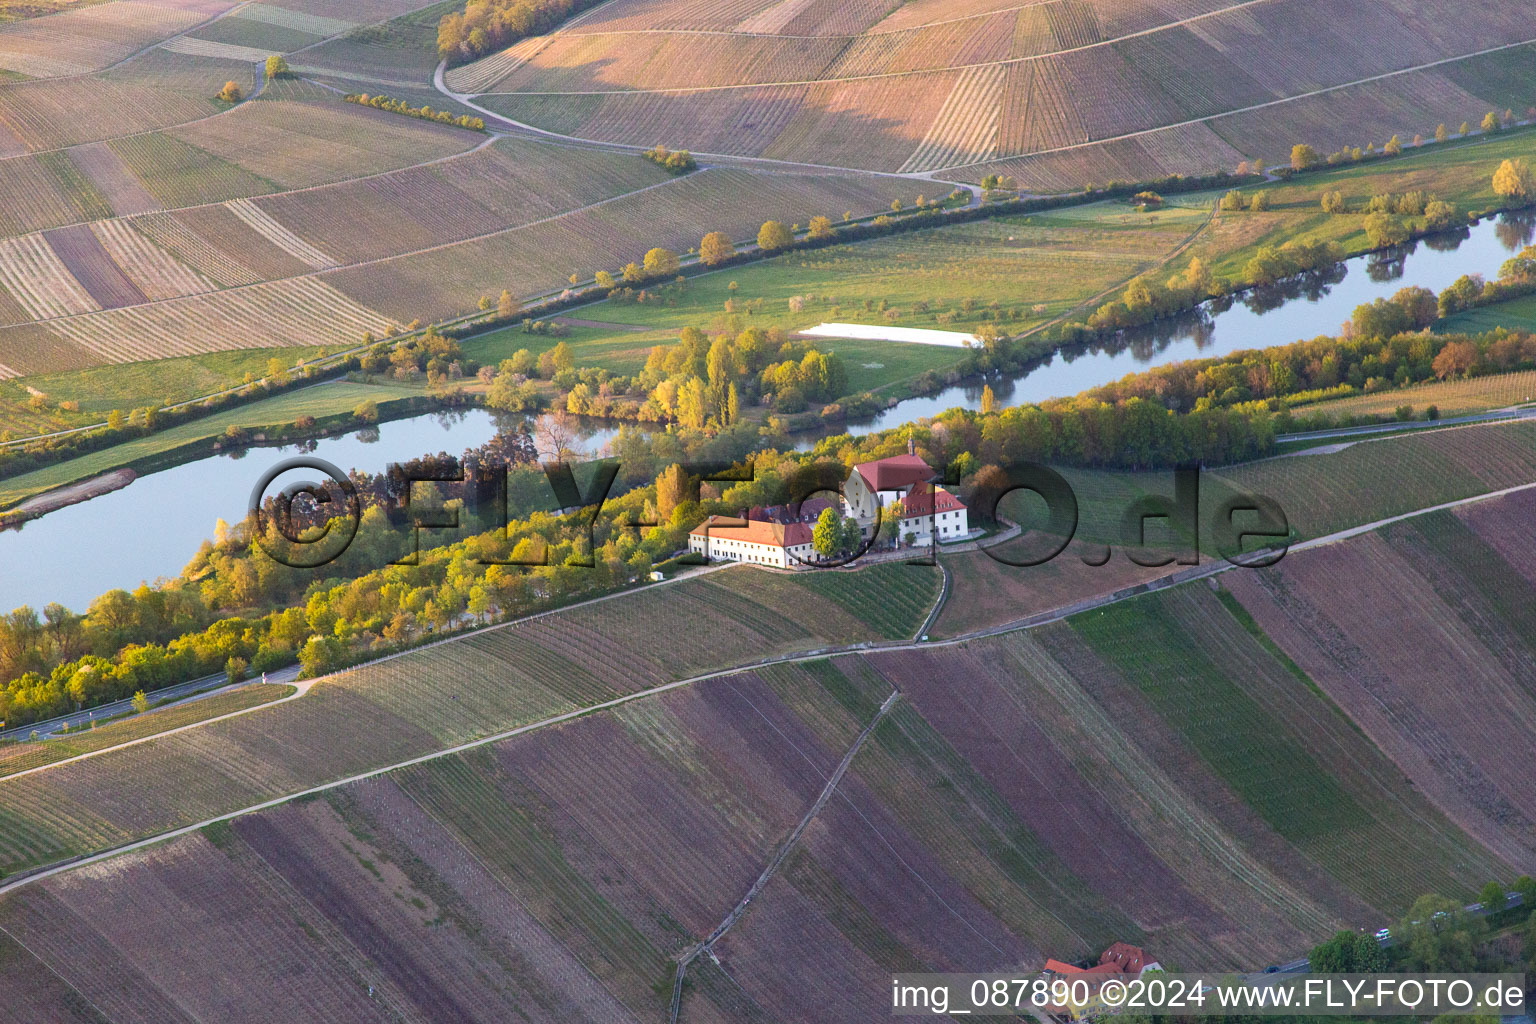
x=1513, y=181
x=716, y=248
x=827, y=536
x=661, y=263
x=1383, y=230
x=1303, y=157
x=774, y=236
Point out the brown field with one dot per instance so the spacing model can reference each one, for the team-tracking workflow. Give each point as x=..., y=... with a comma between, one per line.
x=542, y=256
x=359, y=12
x=394, y=710
x=213, y=243
x=39, y=281
x=563, y=871
x=155, y=91
x=296, y=312
x=88, y=262
x=510, y=183
x=1446, y=698
x=113, y=179
x=155, y=273
x=94, y=36
x=1007, y=90
x=611, y=841
x=298, y=143
x=46, y=191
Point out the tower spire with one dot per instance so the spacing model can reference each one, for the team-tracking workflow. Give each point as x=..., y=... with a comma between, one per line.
x=911, y=444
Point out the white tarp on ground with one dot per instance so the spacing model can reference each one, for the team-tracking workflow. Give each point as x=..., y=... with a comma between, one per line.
x=910, y=335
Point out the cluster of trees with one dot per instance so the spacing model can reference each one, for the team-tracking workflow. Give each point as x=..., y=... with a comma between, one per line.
x=231, y=93
x=1514, y=183
x=234, y=609
x=1235, y=200
x=423, y=112
x=703, y=382
x=1145, y=300
x=1305, y=157
x=487, y=25
x=433, y=353
x=1382, y=211
x=835, y=536
x=1277, y=378
x=677, y=162
x=657, y=264
x=1436, y=935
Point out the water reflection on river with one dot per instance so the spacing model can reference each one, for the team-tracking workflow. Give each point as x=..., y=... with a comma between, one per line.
x=153, y=527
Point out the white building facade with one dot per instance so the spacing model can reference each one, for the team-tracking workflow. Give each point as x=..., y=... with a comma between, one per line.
x=778, y=545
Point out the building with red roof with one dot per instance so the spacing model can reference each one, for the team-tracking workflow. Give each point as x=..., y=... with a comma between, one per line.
x=758, y=541
x=875, y=488
x=1120, y=959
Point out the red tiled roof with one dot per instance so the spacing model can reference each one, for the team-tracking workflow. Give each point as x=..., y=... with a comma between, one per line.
x=926, y=500
x=791, y=535
x=894, y=473
x=1058, y=967
x=1128, y=957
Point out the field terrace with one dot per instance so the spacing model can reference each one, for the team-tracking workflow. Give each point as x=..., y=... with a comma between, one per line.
x=220, y=238
x=1056, y=94
x=542, y=255
x=1449, y=697
x=393, y=710
x=94, y=36
x=566, y=870
x=1321, y=493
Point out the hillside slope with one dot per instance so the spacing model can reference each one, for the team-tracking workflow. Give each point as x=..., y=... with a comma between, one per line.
x=1057, y=93
x=1157, y=770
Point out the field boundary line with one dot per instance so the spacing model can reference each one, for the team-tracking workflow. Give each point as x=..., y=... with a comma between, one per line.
x=318, y=274
x=53, y=970
x=1004, y=62
x=495, y=137
x=468, y=100
x=783, y=852
x=301, y=687
x=1043, y=618
x=1257, y=106
x=785, y=35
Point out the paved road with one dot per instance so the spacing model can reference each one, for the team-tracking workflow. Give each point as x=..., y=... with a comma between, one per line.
x=1522, y=413
x=1302, y=966
x=53, y=726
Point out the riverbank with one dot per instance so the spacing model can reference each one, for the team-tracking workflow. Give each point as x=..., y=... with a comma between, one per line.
x=71, y=494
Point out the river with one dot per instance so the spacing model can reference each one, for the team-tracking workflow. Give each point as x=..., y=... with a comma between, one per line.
x=153, y=527
x=1257, y=320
